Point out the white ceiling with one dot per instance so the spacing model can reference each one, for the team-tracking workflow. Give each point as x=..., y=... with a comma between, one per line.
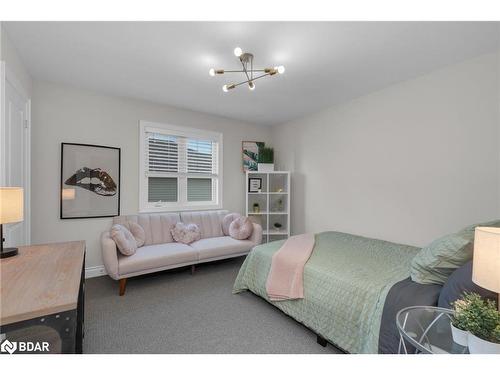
x=326, y=62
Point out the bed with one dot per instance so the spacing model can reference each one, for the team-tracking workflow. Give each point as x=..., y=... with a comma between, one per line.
x=353, y=288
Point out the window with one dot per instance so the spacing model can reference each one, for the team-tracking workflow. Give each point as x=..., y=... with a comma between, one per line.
x=180, y=168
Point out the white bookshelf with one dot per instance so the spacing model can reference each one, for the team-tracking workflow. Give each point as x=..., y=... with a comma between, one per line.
x=273, y=203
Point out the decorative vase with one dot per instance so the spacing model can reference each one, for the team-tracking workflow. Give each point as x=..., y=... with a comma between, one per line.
x=265, y=167
x=480, y=346
x=459, y=335
x=256, y=209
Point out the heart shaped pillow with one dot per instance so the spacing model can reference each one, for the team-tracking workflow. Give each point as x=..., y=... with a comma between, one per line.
x=185, y=233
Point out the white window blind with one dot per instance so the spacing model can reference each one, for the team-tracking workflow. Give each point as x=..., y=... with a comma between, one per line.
x=180, y=170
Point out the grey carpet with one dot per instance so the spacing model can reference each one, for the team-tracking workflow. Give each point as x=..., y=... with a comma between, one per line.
x=176, y=312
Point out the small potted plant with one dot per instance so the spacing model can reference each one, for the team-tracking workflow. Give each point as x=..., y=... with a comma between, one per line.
x=256, y=208
x=266, y=159
x=277, y=226
x=484, y=329
x=476, y=324
x=460, y=321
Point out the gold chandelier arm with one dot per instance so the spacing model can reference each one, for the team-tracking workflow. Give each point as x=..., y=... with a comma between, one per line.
x=250, y=80
x=245, y=70
x=222, y=71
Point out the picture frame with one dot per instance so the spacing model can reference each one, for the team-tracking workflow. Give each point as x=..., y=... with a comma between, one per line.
x=250, y=155
x=90, y=181
x=254, y=184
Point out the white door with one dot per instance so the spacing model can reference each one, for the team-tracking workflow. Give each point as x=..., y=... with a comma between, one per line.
x=16, y=145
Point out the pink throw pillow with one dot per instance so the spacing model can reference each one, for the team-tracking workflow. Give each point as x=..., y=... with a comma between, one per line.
x=124, y=240
x=186, y=233
x=241, y=228
x=226, y=222
x=138, y=233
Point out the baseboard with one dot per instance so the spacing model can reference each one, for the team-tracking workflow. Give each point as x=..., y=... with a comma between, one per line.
x=94, y=271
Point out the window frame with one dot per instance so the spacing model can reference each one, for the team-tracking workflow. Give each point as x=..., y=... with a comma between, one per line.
x=182, y=204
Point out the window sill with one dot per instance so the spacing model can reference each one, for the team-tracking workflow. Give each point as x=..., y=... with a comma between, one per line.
x=149, y=210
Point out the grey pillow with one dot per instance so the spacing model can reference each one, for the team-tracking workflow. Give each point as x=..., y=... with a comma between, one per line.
x=459, y=282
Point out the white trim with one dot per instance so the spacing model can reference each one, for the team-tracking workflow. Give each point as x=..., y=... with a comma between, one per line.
x=95, y=271
x=148, y=126
x=6, y=75
x=3, y=156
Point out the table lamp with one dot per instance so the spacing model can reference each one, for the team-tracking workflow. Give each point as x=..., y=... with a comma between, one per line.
x=486, y=261
x=11, y=211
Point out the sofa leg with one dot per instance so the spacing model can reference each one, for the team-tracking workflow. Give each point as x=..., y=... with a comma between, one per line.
x=320, y=340
x=193, y=268
x=123, y=284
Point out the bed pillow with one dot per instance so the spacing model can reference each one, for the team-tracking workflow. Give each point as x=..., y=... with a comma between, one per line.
x=124, y=240
x=458, y=283
x=226, y=222
x=437, y=261
x=241, y=228
x=185, y=233
x=469, y=230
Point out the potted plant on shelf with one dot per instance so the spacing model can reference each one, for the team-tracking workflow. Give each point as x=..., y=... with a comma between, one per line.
x=476, y=324
x=266, y=159
x=256, y=208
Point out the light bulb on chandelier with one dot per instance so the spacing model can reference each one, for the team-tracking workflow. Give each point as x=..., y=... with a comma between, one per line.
x=280, y=69
x=251, y=86
x=238, y=51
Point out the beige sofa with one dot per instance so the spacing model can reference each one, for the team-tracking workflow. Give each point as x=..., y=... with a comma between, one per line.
x=161, y=252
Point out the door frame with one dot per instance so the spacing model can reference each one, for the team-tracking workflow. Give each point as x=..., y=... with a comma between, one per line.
x=6, y=75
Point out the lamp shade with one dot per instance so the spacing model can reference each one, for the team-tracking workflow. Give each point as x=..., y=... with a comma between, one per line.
x=11, y=205
x=486, y=262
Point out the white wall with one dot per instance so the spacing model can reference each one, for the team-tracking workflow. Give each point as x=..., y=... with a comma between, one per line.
x=407, y=164
x=63, y=114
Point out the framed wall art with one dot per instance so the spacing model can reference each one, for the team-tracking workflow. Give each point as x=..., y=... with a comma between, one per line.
x=90, y=181
x=250, y=154
x=254, y=184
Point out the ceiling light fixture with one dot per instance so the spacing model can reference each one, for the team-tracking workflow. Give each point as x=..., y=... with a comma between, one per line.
x=246, y=60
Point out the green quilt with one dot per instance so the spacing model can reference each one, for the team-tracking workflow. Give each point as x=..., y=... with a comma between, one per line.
x=346, y=281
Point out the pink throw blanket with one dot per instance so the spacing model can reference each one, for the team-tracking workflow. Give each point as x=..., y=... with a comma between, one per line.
x=286, y=277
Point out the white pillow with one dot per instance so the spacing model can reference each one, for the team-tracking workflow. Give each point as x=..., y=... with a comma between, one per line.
x=227, y=220
x=241, y=228
x=138, y=233
x=186, y=233
x=124, y=240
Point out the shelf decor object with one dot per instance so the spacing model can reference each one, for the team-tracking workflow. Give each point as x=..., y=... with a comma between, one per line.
x=11, y=211
x=250, y=154
x=270, y=206
x=247, y=69
x=266, y=159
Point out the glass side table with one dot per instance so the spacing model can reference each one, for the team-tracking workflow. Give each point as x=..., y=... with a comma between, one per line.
x=426, y=329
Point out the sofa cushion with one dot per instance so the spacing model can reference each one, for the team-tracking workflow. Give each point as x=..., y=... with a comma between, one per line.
x=124, y=240
x=138, y=233
x=241, y=228
x=220, y=246
x=156, y=256
x=227, y=220
x=156, y=226
x=185, y=233
x=209, y=222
